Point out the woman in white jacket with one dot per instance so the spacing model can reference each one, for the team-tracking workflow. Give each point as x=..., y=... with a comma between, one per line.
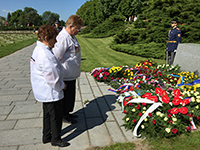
x=48, y=85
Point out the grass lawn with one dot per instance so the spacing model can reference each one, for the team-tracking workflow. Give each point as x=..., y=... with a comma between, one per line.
x=97, y=53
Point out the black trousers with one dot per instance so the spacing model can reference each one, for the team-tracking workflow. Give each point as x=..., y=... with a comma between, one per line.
x=69, y=97
x=171, y=56
x=52, y=121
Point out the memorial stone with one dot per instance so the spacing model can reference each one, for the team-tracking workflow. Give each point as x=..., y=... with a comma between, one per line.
x=188, y=57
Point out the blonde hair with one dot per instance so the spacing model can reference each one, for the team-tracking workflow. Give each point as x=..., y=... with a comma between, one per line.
x=74, y=20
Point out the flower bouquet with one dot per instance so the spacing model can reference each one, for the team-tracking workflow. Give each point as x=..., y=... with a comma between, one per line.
x=158, y=100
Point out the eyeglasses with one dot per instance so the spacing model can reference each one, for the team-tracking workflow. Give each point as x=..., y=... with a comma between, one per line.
x=79, y=30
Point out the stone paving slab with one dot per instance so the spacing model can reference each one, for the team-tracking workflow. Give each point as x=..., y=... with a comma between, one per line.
x=99, y=120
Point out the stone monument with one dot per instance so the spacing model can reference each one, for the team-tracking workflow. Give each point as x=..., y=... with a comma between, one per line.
x=188, y=57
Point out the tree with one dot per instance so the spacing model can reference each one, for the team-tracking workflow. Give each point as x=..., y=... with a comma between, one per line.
x=8, y=17
x=15, y=16
x=49, y=18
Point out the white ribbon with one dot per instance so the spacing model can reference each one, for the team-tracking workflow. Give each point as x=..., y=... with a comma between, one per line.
x=150, y=110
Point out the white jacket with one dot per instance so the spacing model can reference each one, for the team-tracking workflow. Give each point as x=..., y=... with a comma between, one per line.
x=46, y=74
x=68, y=52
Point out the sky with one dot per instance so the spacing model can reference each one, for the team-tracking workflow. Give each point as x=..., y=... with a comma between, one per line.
x=64, y=8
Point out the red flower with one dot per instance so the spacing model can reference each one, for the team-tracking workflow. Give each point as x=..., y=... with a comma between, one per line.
x=176, y=101
x=146, y=95
x=154, y=121
x=150, y=114
x=124, y=111
x=112, y=78
x=153, y=98
x=130, y=104
x=198, y=118
x=97, y=78
x=138, y=107
x=174, y=131
x=169, y=115
x=94, y=75
x=188, y=128
x=131, y=88
x=104, y=77
x=185, y=101
x=134, y=120
x=170, y=121
x=165, y=99
x=176, y=92
x=189, y=115
x=125, y=102
x=159, y=91
x=144, y=104
x=140, y=114
x=164, y=93
x=183, y=110
x=174, y=111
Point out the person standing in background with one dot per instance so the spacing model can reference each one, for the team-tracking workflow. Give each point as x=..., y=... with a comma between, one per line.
x=47, y=85
x=173, y=41
x=67, y=50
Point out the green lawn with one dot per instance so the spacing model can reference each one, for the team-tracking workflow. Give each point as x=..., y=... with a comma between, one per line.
x=97, y=53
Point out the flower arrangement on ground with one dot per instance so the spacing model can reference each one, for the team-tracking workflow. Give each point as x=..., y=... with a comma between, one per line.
x=158, y=100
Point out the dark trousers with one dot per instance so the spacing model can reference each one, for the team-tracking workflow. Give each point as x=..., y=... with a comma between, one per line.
x=69, y=97
x=52, y=121
x=171, y=56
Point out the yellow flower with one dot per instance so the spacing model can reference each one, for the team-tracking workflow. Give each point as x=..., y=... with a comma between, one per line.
x=133, y=110
x=167, y=130
x=174, y=119
x=193, y=99
x=197, y=107
x=145, y=119
x=165, y=118
x=142, y=126
x=127, y=119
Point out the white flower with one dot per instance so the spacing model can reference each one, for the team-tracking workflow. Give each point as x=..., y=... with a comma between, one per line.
x=165, y=119
x=174, y=119
x=161, y=115
x=133, y=110
x=158, y=113
x=197, y=107
x=191, y=92
x=167, y=130
x=145, y=119
x=142, y=126
x=144, y=108
x=198, y=100
x=127, y=119
x=193, y=99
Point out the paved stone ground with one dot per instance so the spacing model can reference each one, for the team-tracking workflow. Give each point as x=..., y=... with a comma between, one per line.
x=99, y=121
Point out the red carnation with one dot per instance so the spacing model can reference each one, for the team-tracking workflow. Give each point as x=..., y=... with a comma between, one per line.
x=134, y=120
x=176, y=101
x=144, y=104
x=138, y=107
x=104, y=77
x=140, y=114
x=174, y=111
x=183, y=110
x=130, y=104
x=188, y=128
x=174, y=131
x=154, y=121
x=150, y=114
x=124, y=111
x=97, y=78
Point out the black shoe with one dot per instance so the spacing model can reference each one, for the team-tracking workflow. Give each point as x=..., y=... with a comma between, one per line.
x=73, y=116
x=70, y=121
x=60, y=143
x=46, y=141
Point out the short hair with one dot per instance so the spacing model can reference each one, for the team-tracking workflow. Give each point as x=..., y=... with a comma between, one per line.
x=47, y=31
x=74, y=20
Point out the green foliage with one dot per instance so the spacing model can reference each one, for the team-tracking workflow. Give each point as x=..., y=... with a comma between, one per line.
x=109, y=27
